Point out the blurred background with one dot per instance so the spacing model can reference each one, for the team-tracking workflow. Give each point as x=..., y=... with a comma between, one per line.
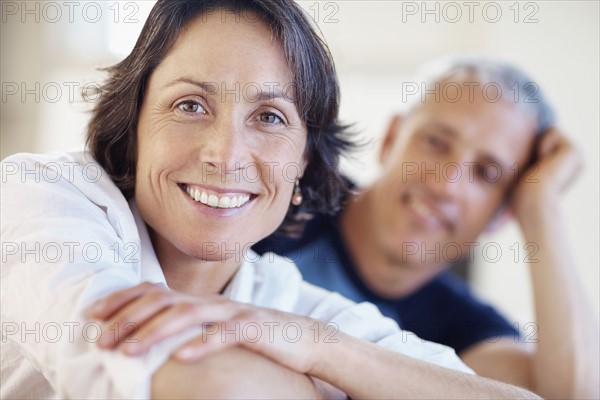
x=50, y=51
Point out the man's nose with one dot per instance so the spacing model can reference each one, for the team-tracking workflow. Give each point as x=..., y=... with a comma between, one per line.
x=448, y=180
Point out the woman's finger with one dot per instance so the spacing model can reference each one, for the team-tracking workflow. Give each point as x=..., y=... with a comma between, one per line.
x=133, y=316
x=211, y=341
x=103, y=309
x=180, y=317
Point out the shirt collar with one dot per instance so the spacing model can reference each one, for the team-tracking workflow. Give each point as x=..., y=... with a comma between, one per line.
x=150, y=269
x=240, y=288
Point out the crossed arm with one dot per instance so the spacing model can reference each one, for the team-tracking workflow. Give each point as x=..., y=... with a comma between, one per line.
x=223, y=366
x=230, y=374
x=238, y=373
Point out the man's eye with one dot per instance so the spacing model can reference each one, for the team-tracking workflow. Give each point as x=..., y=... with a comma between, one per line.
x=436, y=143
x=190, y=106
x=486, y=174
x=270, y=118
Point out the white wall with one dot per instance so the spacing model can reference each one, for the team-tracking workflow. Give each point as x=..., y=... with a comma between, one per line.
x=377, y=45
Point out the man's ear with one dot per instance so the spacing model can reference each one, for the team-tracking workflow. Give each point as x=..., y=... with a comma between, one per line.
x=391, y=135
x=502, y=215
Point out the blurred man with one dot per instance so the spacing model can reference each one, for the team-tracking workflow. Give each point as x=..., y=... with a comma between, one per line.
x=476, y=146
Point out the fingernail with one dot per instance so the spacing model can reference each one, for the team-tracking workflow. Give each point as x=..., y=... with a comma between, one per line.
x=105, y=340
x=97, y=308
x=185, y=354
x=131, y=348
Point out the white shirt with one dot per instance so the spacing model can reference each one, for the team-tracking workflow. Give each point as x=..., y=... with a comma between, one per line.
x=69, y=237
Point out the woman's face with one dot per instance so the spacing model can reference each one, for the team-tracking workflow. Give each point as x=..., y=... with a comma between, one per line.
x=220, y=141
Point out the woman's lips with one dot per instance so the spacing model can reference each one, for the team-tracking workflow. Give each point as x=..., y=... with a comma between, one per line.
x=217, y=200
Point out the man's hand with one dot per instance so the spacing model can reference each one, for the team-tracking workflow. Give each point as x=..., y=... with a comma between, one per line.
x=558, y=163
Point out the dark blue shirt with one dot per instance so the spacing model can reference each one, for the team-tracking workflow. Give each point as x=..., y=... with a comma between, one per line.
x=444, y=310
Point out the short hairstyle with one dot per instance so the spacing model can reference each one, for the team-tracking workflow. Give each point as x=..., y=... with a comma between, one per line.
x=515, y=85
x=112, y=131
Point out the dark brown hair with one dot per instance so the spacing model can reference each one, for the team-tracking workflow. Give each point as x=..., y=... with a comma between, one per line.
x=112, y=130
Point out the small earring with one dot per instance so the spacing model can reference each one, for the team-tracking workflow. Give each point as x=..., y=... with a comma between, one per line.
x=297, y=196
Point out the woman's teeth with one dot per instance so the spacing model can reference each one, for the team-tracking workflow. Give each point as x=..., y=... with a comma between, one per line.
x=215, y=201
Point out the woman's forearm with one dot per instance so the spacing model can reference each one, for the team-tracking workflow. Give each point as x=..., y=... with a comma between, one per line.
x=355, y=366
x=233, y=373
x=366, y=370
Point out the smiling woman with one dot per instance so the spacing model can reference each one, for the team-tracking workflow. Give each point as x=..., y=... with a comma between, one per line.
x=170, y=301
x=183, y=128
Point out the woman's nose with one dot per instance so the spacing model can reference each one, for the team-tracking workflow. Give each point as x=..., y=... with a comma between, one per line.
x=223, y=146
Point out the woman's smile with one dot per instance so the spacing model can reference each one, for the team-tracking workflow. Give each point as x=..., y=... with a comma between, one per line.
x=217, y=201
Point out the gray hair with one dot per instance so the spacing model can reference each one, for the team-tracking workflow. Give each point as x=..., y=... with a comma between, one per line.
x=510, y=84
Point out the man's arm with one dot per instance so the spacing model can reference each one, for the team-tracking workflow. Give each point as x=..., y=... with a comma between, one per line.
x=503, y=360
x=564, y=363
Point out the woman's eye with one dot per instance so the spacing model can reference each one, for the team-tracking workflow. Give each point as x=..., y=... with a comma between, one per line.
x=190, y=106
x=270, y=118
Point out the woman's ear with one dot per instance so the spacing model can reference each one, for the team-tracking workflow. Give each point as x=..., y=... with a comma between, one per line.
x=502, y=215
x=391, y=135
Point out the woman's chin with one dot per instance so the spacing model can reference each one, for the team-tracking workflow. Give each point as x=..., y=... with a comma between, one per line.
x=219, y=251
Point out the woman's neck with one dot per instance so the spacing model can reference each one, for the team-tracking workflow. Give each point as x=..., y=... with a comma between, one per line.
x=195, y=276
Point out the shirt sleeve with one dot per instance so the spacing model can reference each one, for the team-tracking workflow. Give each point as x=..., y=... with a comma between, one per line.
x=69, y=239
x=279, y=284
x=365, y=321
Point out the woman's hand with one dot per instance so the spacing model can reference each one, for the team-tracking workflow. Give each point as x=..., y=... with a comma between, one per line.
x=157, y=313
x=143, y=315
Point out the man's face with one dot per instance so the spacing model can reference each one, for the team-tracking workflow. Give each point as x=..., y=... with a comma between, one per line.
x=447, y=169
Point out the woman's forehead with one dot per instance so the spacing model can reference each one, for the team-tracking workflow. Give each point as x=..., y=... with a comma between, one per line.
x=224, y=48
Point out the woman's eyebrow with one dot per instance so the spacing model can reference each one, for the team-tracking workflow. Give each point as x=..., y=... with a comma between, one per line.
x=210, y=87
x=271, y=94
